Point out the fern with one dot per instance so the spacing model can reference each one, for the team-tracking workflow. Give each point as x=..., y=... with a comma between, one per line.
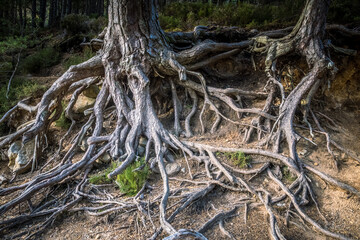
x=130, y=181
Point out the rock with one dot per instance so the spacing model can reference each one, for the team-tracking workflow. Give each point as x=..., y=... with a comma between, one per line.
x=254, y=31
x=303, y=152
x=19, y=156
x=105, y=158
x=172, y=168
x=183, y=170
x=84, y=145
x=13, y=152
x=92, y=91
x=142, y=141
x=83, y=103
x=140, y=151
x=3, y=179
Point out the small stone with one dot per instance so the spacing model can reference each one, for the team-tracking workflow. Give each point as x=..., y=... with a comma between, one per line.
x=142, y=141
x=3, y=179
x=140, y=151
x=13, y=152
x=141, y=197
x=172, y=168
x=83, y=103
x=303, y=152
x=92, y=91
x=183, y=170
x=84, y=145
x=19, y=155
x=316, y=164
x=106, y=158
x=254, y=31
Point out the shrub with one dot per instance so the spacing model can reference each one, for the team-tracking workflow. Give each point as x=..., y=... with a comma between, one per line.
x=130, y=181
x=20, y=88
x=98, y=24
x=101, y=178
x=43, y=58
x=78, y=58
x=240, y=159
x=75, y=23
x=13, y=44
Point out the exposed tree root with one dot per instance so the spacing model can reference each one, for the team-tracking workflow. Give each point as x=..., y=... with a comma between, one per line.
x=134, y=67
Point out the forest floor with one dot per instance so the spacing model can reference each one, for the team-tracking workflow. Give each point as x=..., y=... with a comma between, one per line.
x=341, y=209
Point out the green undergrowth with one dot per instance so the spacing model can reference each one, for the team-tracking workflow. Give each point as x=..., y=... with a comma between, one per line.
x=184, y=16
x=77, y=58
x=40, y=60
x=239, y=159
x=101, y=177
x=129, y=181
x=20, y=88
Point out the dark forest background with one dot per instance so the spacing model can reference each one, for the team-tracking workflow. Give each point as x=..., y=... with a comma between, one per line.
x=19, y=17
x=42, y=38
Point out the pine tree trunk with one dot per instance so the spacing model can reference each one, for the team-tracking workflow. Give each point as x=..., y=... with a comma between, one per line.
x=42, y=13
x=33, y=13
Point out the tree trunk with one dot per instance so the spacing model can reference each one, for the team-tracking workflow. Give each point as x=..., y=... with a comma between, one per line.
x=21, y=19
x=134, y=63
x=33, y=13
x=42, y=13
x=52, y=13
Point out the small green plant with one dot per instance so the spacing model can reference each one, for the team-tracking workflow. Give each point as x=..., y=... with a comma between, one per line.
x=287, y=174
x=240, y=159
x=101, y=177
x=130, y=181
x=63, y=122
